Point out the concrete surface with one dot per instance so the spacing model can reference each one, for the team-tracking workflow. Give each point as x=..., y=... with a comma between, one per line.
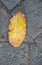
x=20, y=56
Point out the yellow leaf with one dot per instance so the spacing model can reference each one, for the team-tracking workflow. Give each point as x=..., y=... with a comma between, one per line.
x=17, y=29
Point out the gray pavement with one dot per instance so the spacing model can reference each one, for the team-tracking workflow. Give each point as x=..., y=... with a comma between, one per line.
x=20, y=56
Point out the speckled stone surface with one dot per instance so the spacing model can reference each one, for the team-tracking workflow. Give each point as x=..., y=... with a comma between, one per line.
x=10, y=3
x=10, y=55
x=20, y=56
x=4, y=20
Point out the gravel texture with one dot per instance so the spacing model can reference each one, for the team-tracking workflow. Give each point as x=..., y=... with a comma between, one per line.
x=25, y=54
